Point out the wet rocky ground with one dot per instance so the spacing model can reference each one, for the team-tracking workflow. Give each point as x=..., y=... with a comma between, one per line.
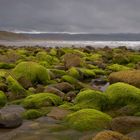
x=69, y=93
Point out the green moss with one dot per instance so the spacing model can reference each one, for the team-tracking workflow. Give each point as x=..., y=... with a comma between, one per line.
x=120, y=58
x=87, y=73
x=90, y=99
x=121, y=94
x=41, y=100
x=117, y=67
x=58, y=73
x=94, y=57
x=6, y=65
x=137, y=114
x=43, y=56
x=32, y=71
x=17, y=90
x=74, y=72
x=32, y=114
x=99, y=71
x=88, y=119
x=135, y=58
x=69, y=79
x=66, y=105
x=3, y=99
x=53, y=52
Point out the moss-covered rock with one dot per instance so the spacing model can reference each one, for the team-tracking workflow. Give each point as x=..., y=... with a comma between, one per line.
x=131, y=77
x=43, y=56
x=6, y=65
x=58, y=73
x=32, y=71
x=117, y=67
x=41, y=100
x=32, y=114
x=3, y=99
x=87, y=73
x=90, y=99
x=17, y=91
x=134, y=58
x=74, y=72
x=120, y=58
x=88, y=119
x=69, y=79
x=72, y=60
x=111, y=135
x=121, y=94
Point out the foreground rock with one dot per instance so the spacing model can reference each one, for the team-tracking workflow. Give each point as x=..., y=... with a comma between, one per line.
x=125, y=124
x=135, y=135
x=11, y=116
x=111, y=135
x=58, y=113
x=131, y=77
x=88, y=119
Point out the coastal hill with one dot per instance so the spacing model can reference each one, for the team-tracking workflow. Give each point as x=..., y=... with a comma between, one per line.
x=4, y=35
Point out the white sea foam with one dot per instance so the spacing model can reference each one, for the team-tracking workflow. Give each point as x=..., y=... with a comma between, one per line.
x=112, y=44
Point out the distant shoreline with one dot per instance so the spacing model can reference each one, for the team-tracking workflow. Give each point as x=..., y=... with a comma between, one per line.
x=97, y=44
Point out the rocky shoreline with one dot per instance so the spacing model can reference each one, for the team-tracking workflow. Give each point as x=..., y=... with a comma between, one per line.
x=72, y=93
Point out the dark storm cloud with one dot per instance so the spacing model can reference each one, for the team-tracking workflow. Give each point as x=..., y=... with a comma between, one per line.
x=70, y=15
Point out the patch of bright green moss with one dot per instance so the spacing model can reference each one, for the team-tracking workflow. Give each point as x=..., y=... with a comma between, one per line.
x=88, y=119
x=32, y=71
x=90, y=99
x=74, y=72
x=117, y=67
x=121, y=94
x=41, y=100
x=3, y=99
x=32, y=114
x=16, y=89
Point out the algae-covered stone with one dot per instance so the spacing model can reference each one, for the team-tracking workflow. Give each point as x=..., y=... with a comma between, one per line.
x=32, y=114
x=3, y=99
x=41, y=100
x=88, y=119
x=121, y=94
x=131, y=77
x=90, y=99
x=32, y=71
x=17, y=91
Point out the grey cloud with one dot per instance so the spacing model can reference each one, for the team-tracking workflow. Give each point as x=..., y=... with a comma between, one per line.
x=96, y=16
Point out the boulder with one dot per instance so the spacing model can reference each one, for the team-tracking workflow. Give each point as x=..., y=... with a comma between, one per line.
x=11, y=116
x=58, y=113
x=125, y=124
x=131, y=77
x=135, y=135
x=110, y=135
x=63, y=86
x=54, y=90
x=88, y=119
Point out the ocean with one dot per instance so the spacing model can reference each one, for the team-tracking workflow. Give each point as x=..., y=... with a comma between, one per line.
x=78, y=40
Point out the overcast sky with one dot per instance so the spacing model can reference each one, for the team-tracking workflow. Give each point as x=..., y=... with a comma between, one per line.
x=95, y=16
